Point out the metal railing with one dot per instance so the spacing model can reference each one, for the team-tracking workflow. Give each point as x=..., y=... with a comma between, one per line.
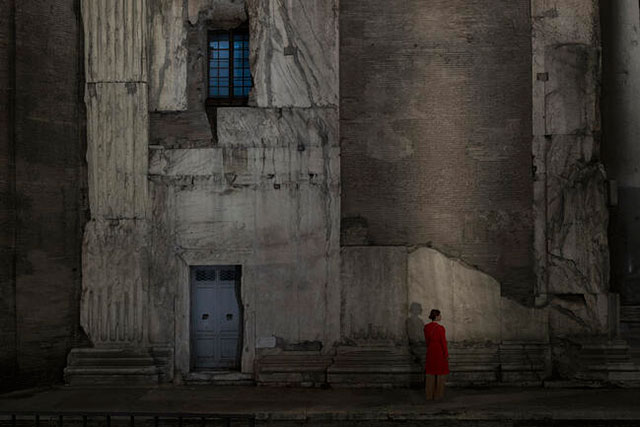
x=88, y=418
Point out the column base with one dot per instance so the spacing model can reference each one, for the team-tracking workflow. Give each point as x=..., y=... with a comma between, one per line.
x=97, y=366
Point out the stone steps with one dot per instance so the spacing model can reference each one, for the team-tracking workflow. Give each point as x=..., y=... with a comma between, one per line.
x=630, y=313
x=219, y=378
x=509, y=363
x=608, y=362
x=473, y=364
x=630, y=330
x=523, y=363
x=301, y=368
x=89, y=366
x=112, y=361
x=374, y=367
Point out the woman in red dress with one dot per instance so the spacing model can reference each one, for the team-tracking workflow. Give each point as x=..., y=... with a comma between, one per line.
x=437, y=364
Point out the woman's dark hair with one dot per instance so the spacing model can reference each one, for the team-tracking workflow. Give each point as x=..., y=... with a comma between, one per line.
x=434, y=313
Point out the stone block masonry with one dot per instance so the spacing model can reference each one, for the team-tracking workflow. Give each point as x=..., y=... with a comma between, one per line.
x=571, y=244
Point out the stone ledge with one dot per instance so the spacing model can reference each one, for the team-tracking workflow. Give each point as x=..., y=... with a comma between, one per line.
x=91, y=366
x=226, y=378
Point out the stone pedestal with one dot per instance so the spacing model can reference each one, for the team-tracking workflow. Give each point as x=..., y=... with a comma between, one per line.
x=118, y=366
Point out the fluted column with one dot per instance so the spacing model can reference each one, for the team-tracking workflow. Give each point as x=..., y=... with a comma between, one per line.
x=115, y=250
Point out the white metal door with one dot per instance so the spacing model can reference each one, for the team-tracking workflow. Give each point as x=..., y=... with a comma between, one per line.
x=215, y=317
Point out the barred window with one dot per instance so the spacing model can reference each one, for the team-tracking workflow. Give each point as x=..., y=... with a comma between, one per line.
x=229, y=73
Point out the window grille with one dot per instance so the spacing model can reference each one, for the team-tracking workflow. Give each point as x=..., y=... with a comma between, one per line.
x=205, y=275
x=227, y=275
x=229, y=73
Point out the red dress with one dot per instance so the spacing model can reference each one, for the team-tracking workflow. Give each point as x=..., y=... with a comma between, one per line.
x=437, y=353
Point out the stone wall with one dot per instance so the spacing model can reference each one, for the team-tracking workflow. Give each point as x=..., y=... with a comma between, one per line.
x=436, y=131
x=261, y=190
x=570, y=200
x=42, y=177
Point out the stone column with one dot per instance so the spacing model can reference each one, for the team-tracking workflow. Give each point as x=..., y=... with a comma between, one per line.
x=570, y=200
x=115, y=249
x=621, y=145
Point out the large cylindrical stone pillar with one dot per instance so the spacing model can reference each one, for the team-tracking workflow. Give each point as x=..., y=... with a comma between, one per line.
x=621, y=146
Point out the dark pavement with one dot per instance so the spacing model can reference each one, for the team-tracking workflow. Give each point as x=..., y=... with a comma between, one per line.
x=268, y=403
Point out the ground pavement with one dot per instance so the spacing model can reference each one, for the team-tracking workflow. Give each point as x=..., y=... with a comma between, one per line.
x=295, y=406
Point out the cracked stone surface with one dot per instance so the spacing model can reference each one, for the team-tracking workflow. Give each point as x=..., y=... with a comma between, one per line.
x=225, y=13
x=571, y=246
x=294, y=52
x=115, y=40
x=167, y=56
x=578, y=315
x=117, y=126
x=470, y=301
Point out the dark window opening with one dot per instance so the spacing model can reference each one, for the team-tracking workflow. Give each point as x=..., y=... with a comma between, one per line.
x=229, y=76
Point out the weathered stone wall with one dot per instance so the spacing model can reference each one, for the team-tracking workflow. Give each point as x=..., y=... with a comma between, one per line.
x=42, y=177
x=436, y=131
x=263, y=191
x=570, y=200
x=167, y=56
x=470, y=301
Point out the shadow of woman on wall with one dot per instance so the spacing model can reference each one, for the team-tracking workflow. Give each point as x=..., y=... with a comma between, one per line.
x=415, y=332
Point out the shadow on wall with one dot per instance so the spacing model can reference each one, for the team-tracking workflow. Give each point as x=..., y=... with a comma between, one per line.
x=415, y=325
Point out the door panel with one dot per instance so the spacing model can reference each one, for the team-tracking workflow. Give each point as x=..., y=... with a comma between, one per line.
x=204, y=309
x=228, y=348
x=228, y=314
x=215, y=317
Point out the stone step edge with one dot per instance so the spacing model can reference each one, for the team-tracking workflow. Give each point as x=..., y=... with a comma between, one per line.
x=72, y=370
x=111, y=360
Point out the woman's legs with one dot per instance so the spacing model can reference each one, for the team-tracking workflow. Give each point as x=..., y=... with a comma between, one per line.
x=439, y=387
x=430, y=386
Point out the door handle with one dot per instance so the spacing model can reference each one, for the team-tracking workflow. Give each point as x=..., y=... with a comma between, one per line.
x=229, y=316
x=205, y=316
